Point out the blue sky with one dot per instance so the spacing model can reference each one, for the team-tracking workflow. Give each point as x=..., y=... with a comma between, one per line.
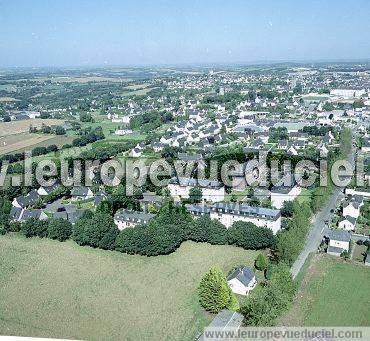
x=90, y=33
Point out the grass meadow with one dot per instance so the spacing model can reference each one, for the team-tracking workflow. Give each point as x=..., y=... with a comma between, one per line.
x=62, y=290
x=332, y=292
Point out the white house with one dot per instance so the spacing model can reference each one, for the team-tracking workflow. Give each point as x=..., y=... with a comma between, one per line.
x=338, y=242
x=280, y=194
x=212, y=191
x=347, y=223
x=81, y=193
x=228, y=213
x=128, y=218
x=242, y=280
x=352, y=206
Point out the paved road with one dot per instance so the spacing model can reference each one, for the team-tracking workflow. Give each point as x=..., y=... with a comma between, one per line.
x=318, y=229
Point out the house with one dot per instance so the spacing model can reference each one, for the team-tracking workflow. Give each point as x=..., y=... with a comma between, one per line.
x=26, y=201
x=351, y=207
x=15, y=213
x=338, y=242
x=347, y=223
x=99, y=197
x=136, y=152
x=283, y=144
x=198, y=210
x=36, y=214
x=195, y=158
x=150, y=198
x=228, y=213
x=224, y=320
x=281, y=194
x=212, y=191
x=125, y=218
x=242, y=280
x=81, y=193
x=46, y=190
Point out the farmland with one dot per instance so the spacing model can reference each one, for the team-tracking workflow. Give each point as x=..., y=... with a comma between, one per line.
x=52, y=289
x=332, y=293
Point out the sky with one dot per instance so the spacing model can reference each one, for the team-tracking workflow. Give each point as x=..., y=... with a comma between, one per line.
x=36, y=33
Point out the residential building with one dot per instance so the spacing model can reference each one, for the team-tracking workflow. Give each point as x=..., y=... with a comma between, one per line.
x=228, y=213
x=242, y=280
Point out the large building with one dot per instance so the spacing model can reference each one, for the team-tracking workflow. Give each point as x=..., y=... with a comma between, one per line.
x=228, y=213
x=129, y=218
x=212, y=191
x=348, y=93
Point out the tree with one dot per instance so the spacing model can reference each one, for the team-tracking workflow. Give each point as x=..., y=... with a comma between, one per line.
x=261, y=262
x=33, y=227
x=59, y=130
x=249, y=236
x=265, y=305
x=86, y=117
x=214, y=292
x=98, y=230
x=206, y=230
x=105, y=207
x=195, y=195
x=288, y=209
x=59, y=229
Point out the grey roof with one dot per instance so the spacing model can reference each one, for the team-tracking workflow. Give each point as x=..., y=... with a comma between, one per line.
x=243, y=274
x=196, y=182
x=28, y=214
x=334, y=249
x=351, y=219
x=15, y=213
x=60, y=215
x=340, y=235
x=243, y=209
x=189, y=157
x=149, y=197
x=74, y=216
x=134, y=216
x=28, y=200
x=198, y=209
x=225, y=319
x=49, y=189
x=80, y=191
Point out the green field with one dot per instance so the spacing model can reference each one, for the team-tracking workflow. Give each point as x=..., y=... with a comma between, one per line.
x=62, y=290
x=332, y=293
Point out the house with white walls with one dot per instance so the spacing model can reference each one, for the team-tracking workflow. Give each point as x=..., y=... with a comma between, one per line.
x=228, y=213
x=212, y=191
x=242, y=280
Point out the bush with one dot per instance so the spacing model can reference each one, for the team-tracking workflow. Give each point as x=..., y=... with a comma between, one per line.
x=214, y=292
x=59, y=229
x=96, y=231
x=265, y=305
x=204, y=229
x=250, y=236
x=261, y=262
x=34, y=227
x=2, y=230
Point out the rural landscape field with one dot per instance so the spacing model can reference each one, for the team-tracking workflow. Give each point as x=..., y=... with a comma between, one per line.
x=62, y=290
x=185, y=170
x=332, y=293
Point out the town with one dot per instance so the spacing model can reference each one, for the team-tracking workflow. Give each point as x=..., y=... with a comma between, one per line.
x=195, y=116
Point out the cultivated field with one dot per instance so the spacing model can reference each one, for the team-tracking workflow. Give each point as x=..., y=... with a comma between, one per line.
x=15, y=136
x=16, y=127
x=54, y=289
x=332, y=293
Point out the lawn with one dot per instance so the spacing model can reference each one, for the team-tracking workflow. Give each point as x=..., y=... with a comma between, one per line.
x=332, y=293
x=62, y=290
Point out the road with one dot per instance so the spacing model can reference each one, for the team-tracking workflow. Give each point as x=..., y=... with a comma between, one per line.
x=318, y=229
